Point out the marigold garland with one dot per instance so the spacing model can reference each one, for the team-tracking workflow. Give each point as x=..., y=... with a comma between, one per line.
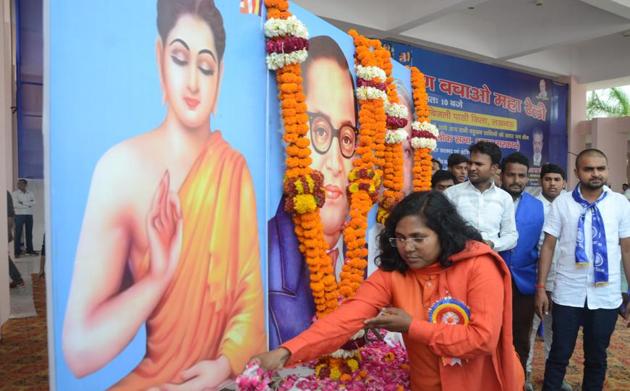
x=372, y=63
x=423, y=135
x=396, y=134
x=286, y=45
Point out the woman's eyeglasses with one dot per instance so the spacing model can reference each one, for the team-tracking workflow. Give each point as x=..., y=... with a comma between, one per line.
x=401, y=242
x=322, y=134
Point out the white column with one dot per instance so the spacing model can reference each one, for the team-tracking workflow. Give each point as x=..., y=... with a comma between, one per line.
x=577, y=126
x=610, y=135
x=6, y=147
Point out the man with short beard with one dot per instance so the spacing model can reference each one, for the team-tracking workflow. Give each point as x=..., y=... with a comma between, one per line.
x=522, y=259
x=482, y=204
x=591, y=226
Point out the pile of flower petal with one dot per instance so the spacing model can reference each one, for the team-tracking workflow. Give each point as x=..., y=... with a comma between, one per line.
x=383, y=368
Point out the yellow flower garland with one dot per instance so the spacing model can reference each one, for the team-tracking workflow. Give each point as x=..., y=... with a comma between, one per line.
x=365, y=178
x=303, y=185
x=422, y=156
x=393, y=168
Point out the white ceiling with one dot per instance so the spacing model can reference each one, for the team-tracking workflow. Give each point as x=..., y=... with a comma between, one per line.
x=559, y=38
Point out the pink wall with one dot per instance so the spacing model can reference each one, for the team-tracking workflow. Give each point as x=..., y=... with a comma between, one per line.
x=6, y=157
x=577, y=127
x=611, y=136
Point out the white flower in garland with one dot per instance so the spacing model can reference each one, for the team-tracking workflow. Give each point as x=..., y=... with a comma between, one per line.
x=424, y=141
x=421, y=142
x=279, y=60
x=396, y=110
x=364, y=93
x=396, y=136
x=371, y=73
x=291, y=26
x=425, y=126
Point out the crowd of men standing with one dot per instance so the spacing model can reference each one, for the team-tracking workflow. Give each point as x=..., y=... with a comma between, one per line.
x=564, y=249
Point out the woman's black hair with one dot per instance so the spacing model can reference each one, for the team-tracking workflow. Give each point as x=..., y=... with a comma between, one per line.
x=438, y=214
x=168, y=11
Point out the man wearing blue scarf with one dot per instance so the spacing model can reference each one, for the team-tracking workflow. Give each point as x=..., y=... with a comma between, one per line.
x=591, y=226
x=522, y=260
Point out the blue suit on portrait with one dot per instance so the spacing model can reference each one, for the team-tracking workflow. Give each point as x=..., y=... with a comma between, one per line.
x=291, y=305
x=523, y=259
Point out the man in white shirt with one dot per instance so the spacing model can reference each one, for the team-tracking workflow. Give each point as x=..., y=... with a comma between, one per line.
x=591, y=226
x=552, y=181
x=482, y=204
x=23, y=202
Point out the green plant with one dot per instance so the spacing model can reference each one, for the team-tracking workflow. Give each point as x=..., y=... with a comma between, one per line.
x=611, y=102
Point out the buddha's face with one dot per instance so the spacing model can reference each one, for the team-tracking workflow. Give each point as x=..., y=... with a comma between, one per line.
x=190, y=71
x=330, y=102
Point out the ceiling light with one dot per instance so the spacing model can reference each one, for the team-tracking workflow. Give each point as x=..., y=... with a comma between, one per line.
x=472, y=7
x=539, y=2
x=626, y=34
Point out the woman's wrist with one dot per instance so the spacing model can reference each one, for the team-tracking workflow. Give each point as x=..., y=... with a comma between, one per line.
x=284, y=353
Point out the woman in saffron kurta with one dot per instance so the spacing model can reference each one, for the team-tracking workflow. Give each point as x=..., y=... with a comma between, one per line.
x=429, y=254
x=169, y=237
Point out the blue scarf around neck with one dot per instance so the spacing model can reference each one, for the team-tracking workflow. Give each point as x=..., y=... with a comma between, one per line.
x=600, y=251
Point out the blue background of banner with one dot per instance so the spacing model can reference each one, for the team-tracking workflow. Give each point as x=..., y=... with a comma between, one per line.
x=516, y=84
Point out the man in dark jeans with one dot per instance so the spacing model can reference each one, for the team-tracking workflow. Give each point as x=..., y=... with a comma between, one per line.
x=522, y=259
x=23, y=203
x=591, y=226
x=14, y=273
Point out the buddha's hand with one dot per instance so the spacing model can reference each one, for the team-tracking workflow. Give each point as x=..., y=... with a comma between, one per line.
x=391, y=319
x=204, y=375
x=164, y=231
x=273, y=360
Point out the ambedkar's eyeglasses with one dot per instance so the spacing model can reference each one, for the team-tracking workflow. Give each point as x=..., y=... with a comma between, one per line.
x=322, y=134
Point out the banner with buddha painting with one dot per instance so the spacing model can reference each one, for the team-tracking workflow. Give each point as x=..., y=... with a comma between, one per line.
x=157, y=165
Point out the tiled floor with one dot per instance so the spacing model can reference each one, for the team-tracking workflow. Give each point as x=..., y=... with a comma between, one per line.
x=24, y=353
x=24, y=347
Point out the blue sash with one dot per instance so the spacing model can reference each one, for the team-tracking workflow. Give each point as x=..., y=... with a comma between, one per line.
x=600, y=251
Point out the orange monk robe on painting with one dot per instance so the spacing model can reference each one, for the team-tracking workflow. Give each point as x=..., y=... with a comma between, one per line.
x=214, y=305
